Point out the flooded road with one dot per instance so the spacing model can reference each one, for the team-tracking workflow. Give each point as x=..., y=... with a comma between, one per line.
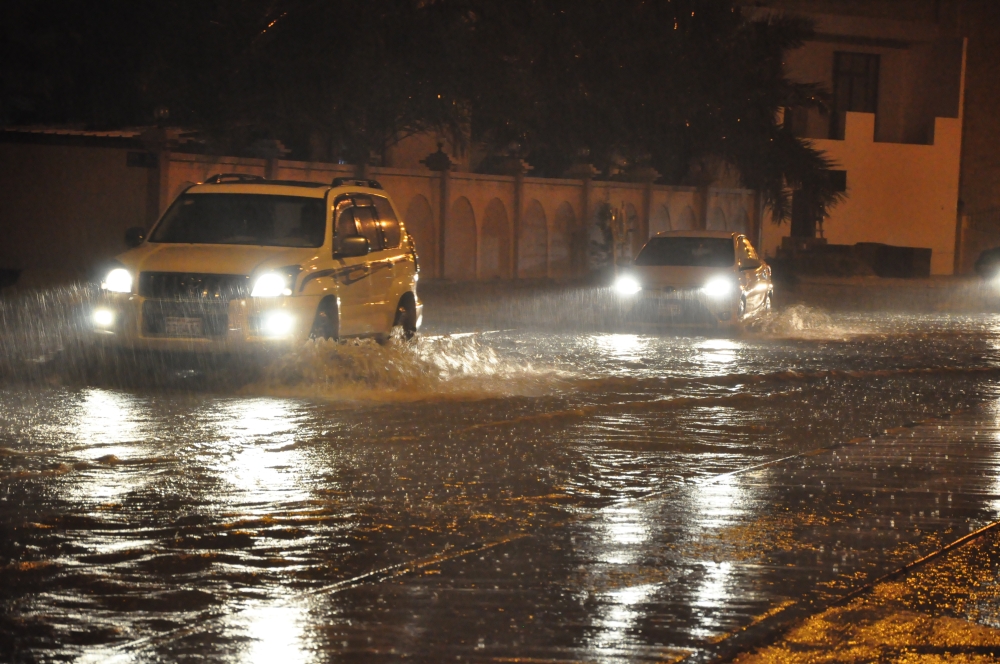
x=497, y=493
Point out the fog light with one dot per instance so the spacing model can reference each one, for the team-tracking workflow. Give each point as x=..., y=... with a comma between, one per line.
x=277, y=324
x=104, y=317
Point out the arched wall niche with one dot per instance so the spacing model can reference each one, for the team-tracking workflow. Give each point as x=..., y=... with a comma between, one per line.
x=717, y=220
x=659, y=221
x=419, y=221
x=687, y=221
x=560, y=254
x=740, y=222
x=494, y=242
x=460, y=241
x=532, y=257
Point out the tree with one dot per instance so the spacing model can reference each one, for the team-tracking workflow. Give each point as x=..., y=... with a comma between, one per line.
x=664, y=83
x=669, y=84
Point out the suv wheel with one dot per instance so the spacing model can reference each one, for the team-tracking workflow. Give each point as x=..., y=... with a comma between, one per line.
x=327, y=322
x=406, y=316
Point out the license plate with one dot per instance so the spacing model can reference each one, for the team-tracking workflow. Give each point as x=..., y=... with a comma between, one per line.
x=183, y=327
x=670, y=309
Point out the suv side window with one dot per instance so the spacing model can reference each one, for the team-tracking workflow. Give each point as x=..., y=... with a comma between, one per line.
x=388, y=222
x=748, y=249
x=345, y=226
x=368, y=226
x=741, y=251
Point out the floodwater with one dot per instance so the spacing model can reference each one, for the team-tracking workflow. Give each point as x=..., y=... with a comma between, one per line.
x=526, y=492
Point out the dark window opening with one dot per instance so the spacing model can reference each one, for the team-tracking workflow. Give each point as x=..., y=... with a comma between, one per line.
x=855, y=88
x=839, y=180
x=805, y=218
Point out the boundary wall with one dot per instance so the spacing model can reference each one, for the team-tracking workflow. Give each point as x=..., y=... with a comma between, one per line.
x=469, y=226
x=64, y=208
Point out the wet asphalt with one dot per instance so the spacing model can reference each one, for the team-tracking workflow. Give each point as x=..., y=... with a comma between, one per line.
x=507, y=488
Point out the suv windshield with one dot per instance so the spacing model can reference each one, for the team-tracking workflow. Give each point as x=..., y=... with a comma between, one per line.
x=257, y=219
x=687, y=252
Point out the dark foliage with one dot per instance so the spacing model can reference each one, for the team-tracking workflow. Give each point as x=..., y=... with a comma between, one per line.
x=668, y=84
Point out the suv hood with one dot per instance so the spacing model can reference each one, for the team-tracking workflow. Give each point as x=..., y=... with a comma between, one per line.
x=678, y=277
x=212, y=258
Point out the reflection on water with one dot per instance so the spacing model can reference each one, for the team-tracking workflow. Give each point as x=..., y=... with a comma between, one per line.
x=105, y=420
x=717, y=506
x=719, y=502
x=618, y=614
x=625, y=347
x=276, y=634
x=129, y=514
x=620, y=538
x=106, y=433
x=622, y=529
x=255, y=450
x=717, y=353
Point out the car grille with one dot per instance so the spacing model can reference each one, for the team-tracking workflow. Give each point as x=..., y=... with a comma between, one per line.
x=214, y=316
x=194, y=286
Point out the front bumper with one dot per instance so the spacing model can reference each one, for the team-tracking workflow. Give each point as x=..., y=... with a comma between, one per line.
x=132, y=321
x=682, y=307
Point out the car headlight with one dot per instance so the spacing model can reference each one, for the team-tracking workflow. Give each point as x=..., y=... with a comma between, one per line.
x=118, y=280
x=718, y=288
x=271, y=284
x=626, y=285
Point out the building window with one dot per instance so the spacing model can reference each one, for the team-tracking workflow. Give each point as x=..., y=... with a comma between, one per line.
x=855, y=87
x=839, y=180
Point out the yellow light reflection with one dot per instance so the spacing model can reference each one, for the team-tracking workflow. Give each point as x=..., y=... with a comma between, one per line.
x=623, y=531
x=616, y=621
x=718, y=504
x=106, y=420
x=277, y=633
x=106, y=427
x=622, y=346
x=621, y=541
x=720, y=352
x=262, y=456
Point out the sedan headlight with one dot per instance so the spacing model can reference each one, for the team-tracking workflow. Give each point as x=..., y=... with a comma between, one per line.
x=626, y=285
x=718, y=288
x=118, y=280
x=271, y=284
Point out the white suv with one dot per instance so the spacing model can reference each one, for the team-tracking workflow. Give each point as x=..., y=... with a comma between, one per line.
x=240, y=261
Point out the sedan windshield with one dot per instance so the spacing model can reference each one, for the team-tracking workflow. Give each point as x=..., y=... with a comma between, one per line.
x=687, y=252
x=257, y=219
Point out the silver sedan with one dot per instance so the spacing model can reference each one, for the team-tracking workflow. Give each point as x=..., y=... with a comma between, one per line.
x=712, y=278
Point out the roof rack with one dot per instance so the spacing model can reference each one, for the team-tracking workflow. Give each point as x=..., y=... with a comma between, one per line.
x=355, y=182
x=220, y=178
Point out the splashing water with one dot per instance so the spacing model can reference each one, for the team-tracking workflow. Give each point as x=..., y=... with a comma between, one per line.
x=460, y=366
x=38, y=325
x=804, y=322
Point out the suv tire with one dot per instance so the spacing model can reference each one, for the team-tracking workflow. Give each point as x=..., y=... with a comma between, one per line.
x=327, y=322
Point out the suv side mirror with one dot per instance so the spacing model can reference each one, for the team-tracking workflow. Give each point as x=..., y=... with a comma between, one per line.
x=750, y=265
x=354, y=245
x=135, y=236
